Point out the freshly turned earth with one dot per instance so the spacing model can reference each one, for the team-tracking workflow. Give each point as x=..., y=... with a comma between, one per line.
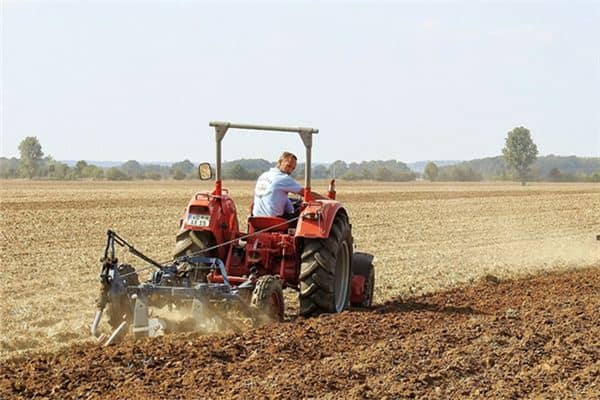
x=538, y=337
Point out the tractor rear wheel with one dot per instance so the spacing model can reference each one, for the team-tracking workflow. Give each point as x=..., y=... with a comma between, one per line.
x=191, y=243
x=325, y=270
x=267, y=299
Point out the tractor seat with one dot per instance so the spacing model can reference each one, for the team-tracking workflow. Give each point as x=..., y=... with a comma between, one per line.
x=260, y=223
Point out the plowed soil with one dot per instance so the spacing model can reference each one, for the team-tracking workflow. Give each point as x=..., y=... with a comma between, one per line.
x=532, y=338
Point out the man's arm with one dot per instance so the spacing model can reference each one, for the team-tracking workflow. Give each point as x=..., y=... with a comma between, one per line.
x=290, y=185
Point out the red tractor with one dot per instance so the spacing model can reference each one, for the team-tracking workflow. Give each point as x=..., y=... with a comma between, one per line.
x=216, y=265
x=312, y=253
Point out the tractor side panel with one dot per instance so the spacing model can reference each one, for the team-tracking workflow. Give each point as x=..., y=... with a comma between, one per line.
x=317, y=218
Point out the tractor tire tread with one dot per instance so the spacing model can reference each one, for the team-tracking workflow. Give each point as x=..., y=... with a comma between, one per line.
x=265, y=286
x=318, y=265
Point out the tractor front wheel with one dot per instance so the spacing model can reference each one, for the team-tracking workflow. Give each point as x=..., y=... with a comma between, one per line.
x=267, y=299
x=325, y=270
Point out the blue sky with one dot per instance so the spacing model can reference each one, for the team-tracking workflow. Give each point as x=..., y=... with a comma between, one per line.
x=120, y=80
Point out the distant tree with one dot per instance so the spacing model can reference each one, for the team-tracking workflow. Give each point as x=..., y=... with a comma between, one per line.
x=92, y=171
x=352, y=176
x=338, y=168
x=115, y=174
x=459, y=173
x=520, y=151
x=133, y=169
x=9, y=167
x=79, y=166
x=366, y=173
x=383, y=174
x=431, y=171
x=179, y=175
x=239, y=172
x=157, y=172
x=320, y=172
x=185, y=166
x=60, y=171
x=31, y=154
x=403, y=176
x=155, y=176
x=555, y=175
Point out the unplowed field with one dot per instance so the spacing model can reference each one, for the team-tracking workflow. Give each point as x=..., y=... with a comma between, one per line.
x=511, y=338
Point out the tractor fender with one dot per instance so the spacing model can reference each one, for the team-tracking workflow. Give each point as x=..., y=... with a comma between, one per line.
x=223, y=223
x=200, y=203
x=222, y=211
x=317, y=218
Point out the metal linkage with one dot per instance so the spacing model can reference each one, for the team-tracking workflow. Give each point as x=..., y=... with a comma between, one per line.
x=114, y=238
x=213, y=261
x=246, y=236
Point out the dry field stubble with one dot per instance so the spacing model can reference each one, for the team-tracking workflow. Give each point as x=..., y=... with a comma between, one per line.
x=425, y=237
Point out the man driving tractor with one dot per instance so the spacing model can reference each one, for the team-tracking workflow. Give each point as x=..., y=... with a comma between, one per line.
x=272, y=188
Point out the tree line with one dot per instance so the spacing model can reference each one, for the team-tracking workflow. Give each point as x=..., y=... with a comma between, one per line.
x=549, y=168
x=519, y=161
x=33, y=164
x=389, y=171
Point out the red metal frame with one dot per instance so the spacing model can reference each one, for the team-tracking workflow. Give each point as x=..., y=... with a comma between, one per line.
x=272, y=252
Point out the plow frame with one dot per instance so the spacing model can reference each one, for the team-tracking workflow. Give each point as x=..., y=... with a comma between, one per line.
x=144, y=295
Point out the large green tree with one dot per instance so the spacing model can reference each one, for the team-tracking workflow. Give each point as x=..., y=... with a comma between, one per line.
x=31, y=155
x=519, y=151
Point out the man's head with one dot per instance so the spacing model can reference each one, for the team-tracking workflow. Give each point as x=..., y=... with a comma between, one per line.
x=287, y=162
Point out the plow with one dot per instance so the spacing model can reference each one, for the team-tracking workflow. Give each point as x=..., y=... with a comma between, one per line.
x=172, y=286
x=222, y=277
